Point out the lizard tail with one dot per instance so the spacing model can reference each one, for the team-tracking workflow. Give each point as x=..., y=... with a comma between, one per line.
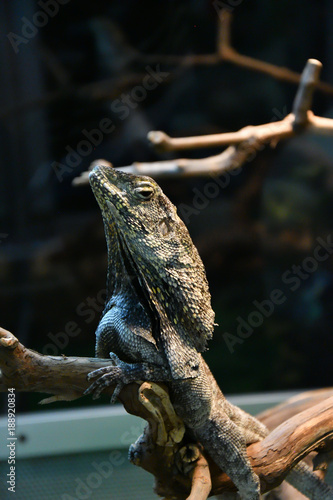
x=310, y=485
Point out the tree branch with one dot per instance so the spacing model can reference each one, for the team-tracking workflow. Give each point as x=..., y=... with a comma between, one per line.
x=300, y=118
x=230, y=159
x=181, y=468
x=303, y=100
x=228, y=53
x=264, y=133
x=249, y=140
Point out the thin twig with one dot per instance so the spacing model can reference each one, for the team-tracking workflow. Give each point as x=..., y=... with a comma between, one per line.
x=108, y=89
x=249, y=139
x=289, y=126
x=303, y=100
x=263, y=133
x=269, y=131
x=230, y=159
x=228, y=53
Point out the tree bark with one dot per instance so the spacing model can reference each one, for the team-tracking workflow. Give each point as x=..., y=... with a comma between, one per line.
x=181, y=468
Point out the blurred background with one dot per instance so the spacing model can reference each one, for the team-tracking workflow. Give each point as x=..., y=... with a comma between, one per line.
x=69, y=68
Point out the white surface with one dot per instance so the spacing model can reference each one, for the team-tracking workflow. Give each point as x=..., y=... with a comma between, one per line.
x=100, y=428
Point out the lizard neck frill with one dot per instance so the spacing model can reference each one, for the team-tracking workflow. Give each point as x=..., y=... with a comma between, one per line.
x=115, y=266
x=180, y=295
x=123, y=277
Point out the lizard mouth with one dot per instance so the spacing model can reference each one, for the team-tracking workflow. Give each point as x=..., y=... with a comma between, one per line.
x=105, y=191
x=100, y=181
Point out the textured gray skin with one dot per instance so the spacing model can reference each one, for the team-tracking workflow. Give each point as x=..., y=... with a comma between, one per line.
x=158, y=317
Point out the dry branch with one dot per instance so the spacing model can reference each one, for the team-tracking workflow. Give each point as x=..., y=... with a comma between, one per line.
x=300, y=119
x=230, y=159
x=109, y=88
x=299, y=426
x=249, y=140
x=228, y=53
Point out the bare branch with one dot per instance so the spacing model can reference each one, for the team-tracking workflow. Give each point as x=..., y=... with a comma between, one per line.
x=180, y=467
x=300, y=118
x=27, y=370
x=274, y=416
x=249, y=139
x=230, y=159
x=228, y=53
x=201, y=480
x=303, y=100
x=263, y=133
x=274, y=131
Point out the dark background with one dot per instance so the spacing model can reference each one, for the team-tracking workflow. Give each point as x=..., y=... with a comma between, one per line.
x=65, y=78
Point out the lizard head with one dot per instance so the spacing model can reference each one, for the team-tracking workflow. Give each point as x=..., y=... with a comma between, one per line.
x=158, y=244
x=142, y=214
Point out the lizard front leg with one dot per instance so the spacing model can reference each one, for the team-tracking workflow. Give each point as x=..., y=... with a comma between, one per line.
x=121, y=374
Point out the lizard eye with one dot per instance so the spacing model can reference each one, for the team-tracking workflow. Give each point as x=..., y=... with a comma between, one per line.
x=144, y=191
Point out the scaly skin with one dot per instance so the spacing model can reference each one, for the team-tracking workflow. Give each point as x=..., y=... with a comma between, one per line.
x=158, y=317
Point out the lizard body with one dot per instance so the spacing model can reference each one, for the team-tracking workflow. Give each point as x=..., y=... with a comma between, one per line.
x=158, y=318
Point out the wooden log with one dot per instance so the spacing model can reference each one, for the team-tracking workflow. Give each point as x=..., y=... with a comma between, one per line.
x=298, y=427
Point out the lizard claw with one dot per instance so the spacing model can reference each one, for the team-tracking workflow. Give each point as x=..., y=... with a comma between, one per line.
x=116, y=374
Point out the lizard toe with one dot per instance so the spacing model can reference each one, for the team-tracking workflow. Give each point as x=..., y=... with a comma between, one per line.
x=116, y=392
x=106, y=376
x=99, y=372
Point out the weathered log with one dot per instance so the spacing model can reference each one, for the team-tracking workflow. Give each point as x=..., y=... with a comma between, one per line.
x=181, y=468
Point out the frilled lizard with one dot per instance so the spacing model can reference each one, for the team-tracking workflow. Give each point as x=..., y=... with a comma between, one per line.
x=158, y=318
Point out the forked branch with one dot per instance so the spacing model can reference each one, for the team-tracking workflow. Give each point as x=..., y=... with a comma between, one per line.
x=243, y=144
x=300, y=119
